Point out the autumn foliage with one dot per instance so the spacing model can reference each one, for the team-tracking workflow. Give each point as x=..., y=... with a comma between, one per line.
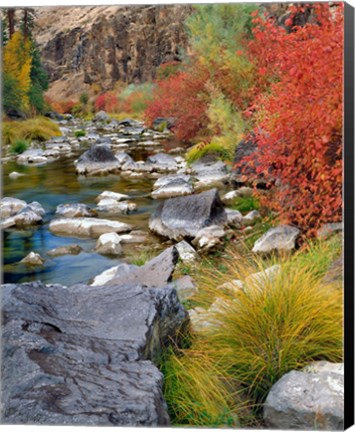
x=106, y=102
x=183, y=96
x=299, y=119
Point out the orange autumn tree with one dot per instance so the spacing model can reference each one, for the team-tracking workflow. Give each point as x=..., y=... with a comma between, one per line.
x=299, y=118
x=17, y=63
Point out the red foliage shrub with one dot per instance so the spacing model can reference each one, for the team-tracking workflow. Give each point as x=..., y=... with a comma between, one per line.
x=165, y=70
x=184, y=97
x=106, y=102
x=61, y=106
x=299, y=119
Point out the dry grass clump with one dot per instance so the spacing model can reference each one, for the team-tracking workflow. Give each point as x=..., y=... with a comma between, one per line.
x=256, y=332
x=36, y=129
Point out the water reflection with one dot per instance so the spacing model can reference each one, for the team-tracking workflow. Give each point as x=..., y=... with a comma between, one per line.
x=54, y=184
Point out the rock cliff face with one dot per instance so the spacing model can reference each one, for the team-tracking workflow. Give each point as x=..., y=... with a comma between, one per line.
x=81, y=46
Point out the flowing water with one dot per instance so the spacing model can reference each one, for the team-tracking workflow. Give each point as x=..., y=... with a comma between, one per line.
x=57, y=183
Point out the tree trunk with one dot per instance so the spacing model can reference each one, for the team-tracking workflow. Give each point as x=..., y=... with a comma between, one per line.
x=11, y=21
x=25, y=24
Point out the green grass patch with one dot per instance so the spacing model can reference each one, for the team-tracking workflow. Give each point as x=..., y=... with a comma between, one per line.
x=79, y=133
x=19, y=146
x=201, y=149
x=246, y=204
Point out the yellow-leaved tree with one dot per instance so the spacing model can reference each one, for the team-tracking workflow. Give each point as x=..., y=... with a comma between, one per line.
x=17, y=62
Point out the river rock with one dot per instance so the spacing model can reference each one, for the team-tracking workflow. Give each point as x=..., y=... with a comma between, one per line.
x=181, y=217
x=134, y=237
x=86, y=227
x=209, y=237
x=174, y=188
x=310, y=399
x=110, y=205
x=21, y=216
x=329, y=229
x=282, y=238
x=83, y=355
x=15, y=175
x=187, y=253
x=210, y=173
x=124, y=159
x=156, y=273
x=251, y=218
x=74, y=210
x=33, y=259
x=101, y=116
x=32, y=157
x=99, y=159
x=119, y=272
x=185, y=287
x=162, y=162
x=234, y=218
x=113, y=195
x=242, y=192
x=73, y=249
x=11, y=206
x=109, y=244
x=130, y=123
x=165, y=180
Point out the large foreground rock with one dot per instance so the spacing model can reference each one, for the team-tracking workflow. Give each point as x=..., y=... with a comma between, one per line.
x=86, y=227
x=309, y=399
x=181, y=217
x=82, y=355
x=98, y=160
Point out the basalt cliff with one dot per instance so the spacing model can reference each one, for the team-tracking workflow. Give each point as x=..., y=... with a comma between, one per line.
x=100, y=45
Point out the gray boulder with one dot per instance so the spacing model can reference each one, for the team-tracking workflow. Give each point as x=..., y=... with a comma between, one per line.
x=282, y=239
x=162, y=162
x=329, y=229
x=86, y=227
x=181, y=217
x=10, y=206
x=33, y=157
x=185, y=287
x=234, y=218
x=74, y=210
x=209, y=237
x=165, y=180
x=156, y=273
x=33, y=259
x=109, y=244
x=101, y=116
x=111, y=205
x=309, y=399
x=73, y=249
x=17, y=213
x=176, y=187
x=186, y=252
x=15, y=175
x=209, y=174
x=99, y=159
x=251, y=218
x=83, y=355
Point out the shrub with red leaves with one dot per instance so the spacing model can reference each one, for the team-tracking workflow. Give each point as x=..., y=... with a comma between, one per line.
x=106, y=102
x=184, y=97
x=299, y=119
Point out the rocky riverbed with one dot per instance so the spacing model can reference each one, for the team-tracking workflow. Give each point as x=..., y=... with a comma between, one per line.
x=84, y=324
